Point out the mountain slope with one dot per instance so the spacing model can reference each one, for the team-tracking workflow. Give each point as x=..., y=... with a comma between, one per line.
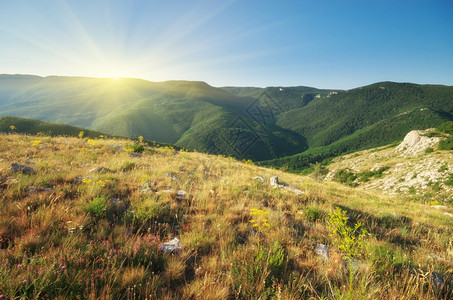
x=92, y=220
x=35, y=127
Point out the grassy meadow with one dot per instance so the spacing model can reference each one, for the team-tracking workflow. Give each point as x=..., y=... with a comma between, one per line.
x=68, y=233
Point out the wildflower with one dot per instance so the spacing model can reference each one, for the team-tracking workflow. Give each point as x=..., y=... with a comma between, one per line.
x=101, y=136
x=12, y=127
x=80, y=135
x=140, y=139
x=24, y=281
x=19, y=265
x=92, y=142
x=63, y=267
x=36, y=142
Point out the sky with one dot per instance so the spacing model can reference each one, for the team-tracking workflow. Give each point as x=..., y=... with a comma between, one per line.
x=337, y=44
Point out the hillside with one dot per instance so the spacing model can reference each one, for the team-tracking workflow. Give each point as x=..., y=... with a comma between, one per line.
x=289, y=127
x=34, y=127
x=363, y=118
x=416, y=169
x=90, y=219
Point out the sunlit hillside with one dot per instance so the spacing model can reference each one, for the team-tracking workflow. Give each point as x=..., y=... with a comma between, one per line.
x=86, y=218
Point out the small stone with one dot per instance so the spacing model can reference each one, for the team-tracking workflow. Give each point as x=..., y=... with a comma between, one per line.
x=171, y=247
x=31, y=189
x=100, y=170
x=135, y=154
x=181, y=195
x=80, y=179
x=173, y=177
x=23, y=169
x=260, y=179
x=145, y=188
x=199, y=271
x=323, y=251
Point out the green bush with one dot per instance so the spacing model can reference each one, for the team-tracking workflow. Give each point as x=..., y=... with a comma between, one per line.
x=446, y=144
x=429, y=150
x=346, y=177
x=348, y=239
x=313, y=213
x=97, y=207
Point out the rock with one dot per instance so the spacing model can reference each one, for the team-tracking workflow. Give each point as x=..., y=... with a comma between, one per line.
x=173, y=177
x=31, y=189
x=261, y=179
x=438, y=279
x=181, y=195
x=135, y=154
x=199, y=271
x=276, y=184
x=118, y=204
x=80, y=179
x=171, y=247
x=274, y=181
x=416, y=142
x=145, y=188
x=23, y=169
x=322, y=250
x=448, y=214
x=100, y=170
x=117, y=148
x=354, y=264
x=438, y=206
x=296, y=191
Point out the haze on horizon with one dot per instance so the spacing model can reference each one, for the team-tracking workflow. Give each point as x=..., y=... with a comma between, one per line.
x=325, y=44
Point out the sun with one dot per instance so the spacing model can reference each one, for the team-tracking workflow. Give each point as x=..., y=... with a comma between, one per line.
x=116, y=78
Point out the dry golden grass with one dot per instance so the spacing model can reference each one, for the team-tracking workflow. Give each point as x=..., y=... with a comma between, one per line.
x=75, y=233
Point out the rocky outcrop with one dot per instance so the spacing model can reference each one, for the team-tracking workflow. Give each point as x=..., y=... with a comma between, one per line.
x=415, y=142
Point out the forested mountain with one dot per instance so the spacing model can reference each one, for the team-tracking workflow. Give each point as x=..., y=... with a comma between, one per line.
x=283, y=126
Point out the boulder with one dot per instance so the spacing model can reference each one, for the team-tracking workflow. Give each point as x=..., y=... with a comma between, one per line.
x=274, y=181
x=17, y=168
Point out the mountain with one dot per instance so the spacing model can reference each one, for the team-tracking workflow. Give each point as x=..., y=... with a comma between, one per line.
x=189, y=114
x=88, y=219
x=36, y=127
x=363, y=118
x=290, y=127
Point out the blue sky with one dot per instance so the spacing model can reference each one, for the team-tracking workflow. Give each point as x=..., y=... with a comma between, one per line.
x=326, y=44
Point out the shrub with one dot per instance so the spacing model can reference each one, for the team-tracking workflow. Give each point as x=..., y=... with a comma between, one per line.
x=348, y=239
x=429, y=150
x=136, y=147
x=346, y=177
x=96, y=207
x=313, y=213
x=446, y=144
